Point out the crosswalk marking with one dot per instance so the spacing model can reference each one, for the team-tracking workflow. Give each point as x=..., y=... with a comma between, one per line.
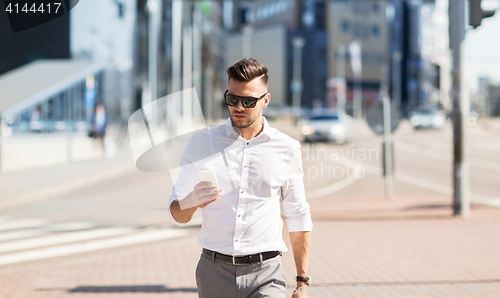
x=61, y=227
x=63, y=250
x=22, y=223
x=31, y=239
x=15, y=235
x=70, y=226
x=64, y=238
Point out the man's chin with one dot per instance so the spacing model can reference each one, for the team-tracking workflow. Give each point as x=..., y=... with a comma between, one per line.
x=240, y=122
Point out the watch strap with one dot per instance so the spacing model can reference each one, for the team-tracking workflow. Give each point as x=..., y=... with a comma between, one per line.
x=306, y=279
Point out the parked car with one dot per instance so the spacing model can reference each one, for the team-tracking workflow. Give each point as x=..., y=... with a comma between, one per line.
x=327, y=125
x=427, y=118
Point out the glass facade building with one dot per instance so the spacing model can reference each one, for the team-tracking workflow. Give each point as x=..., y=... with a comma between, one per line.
x=61, y=100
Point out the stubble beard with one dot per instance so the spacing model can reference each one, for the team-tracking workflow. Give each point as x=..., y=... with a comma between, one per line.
x=245, y=124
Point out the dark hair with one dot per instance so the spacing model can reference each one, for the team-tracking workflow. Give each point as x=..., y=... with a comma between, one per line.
x=247, y=69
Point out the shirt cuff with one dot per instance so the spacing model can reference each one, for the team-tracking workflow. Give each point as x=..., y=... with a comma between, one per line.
x=300, y=224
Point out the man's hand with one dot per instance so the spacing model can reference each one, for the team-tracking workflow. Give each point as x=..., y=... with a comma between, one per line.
x=201, y=196
x=300, y=290
x=183, y=209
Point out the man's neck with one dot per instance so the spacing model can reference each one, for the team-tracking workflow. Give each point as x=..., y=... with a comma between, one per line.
x=251, y=132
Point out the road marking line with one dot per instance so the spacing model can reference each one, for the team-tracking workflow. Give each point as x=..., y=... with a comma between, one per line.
x=448, y=157
x=338, y=185
x=493, y=202
x=64, y=238
x=329, y=189
x=423, y=183
x=22, y=224
x=69, y=249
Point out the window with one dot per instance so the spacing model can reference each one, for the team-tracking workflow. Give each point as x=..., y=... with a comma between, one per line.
x=345, y=25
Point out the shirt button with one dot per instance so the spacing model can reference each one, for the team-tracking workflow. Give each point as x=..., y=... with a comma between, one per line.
x=239, y=215
x=236, y=240
x=241, y=191
x=248, y=143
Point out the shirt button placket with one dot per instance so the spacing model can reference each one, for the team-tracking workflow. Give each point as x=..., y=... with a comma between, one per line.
x=241, y=201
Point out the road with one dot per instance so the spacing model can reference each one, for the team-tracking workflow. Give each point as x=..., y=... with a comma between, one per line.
x=131, y=208
x=423, y=158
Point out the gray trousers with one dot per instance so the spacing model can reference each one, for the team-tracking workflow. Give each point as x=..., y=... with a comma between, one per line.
x=216, y=279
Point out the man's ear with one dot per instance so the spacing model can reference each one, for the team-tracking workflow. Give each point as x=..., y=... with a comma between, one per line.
x=267, y=98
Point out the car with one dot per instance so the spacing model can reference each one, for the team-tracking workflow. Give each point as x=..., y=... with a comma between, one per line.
x=327, y=125
x=427, y=118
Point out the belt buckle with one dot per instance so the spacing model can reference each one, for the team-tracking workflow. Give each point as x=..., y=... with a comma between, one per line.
x=234, y=261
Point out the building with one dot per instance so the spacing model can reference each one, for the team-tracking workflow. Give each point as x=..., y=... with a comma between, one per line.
x=265, y=29
x=186, y=38
x=47, y=41
x=45, y=112
x=404, y=46
x=487, y=100
x=54, y=74
x=106, y=37
x=426, y=56
x=366, y=23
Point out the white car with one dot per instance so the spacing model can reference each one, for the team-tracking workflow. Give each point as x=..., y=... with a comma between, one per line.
x=327, y=125
x=427, y=118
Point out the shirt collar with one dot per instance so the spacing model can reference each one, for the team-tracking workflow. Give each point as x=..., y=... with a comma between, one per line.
x=230, y=130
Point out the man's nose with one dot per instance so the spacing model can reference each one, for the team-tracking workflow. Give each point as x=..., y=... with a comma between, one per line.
x=239, y=106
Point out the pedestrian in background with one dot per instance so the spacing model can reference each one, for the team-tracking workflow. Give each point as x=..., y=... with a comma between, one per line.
x=99, y=130
x=241, y=232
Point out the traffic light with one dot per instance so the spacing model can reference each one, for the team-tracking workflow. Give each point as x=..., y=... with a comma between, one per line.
x=476, y=14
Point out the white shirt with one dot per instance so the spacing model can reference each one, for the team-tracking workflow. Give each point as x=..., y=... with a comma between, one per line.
x=258, y=176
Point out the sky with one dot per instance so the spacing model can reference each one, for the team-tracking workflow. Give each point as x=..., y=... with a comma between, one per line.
x=483, y=46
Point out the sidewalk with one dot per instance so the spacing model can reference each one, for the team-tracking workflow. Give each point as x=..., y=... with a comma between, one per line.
x=491, y=124
x=33, y=185
x=363, y=245
x=359, y=237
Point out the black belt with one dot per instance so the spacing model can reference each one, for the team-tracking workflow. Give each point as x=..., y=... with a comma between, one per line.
x=243, y=259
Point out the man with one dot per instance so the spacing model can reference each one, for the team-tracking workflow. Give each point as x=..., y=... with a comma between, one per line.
x=261, y=169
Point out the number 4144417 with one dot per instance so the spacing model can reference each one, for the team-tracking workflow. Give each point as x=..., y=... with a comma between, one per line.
x=33, y=9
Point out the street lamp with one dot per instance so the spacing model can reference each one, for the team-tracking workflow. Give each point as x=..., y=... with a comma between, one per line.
x=298, y=43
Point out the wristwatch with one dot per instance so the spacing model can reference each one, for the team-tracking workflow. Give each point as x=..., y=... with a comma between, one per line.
x=306, y=279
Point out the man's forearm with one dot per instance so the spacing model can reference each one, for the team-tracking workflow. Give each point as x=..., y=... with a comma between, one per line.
x=301, y=246
x=181, y=215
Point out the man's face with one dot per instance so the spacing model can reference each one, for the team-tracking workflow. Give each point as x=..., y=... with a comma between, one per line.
x=242, y=117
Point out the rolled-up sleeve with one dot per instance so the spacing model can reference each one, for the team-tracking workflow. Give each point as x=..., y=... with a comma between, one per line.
x=188, y=177
x=294, y=205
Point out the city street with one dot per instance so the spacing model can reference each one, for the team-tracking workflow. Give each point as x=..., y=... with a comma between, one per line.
x=95, y=96
x=113, y=238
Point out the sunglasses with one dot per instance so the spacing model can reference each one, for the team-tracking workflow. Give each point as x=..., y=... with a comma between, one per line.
x=246, y=101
